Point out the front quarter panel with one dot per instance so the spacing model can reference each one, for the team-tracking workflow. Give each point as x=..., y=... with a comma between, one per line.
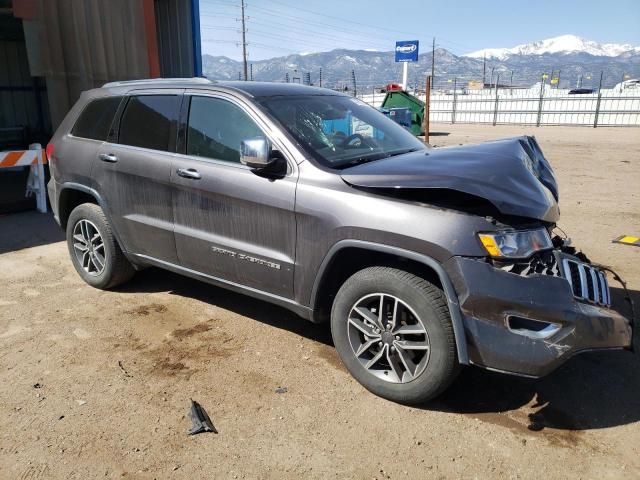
x=328, y=211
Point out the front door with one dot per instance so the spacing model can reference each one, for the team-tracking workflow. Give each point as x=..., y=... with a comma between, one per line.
x=133, y=173
x=230, y=222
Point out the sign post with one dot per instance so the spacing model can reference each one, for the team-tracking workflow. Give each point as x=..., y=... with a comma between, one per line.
x=406, y=51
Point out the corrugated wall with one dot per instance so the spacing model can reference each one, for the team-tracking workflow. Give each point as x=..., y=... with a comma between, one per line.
x=23, y=99
x=175, y=37
x=81, y=44
x=24, y=115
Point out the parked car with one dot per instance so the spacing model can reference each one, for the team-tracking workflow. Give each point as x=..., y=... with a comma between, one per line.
x=421, y=259
x=581, y=91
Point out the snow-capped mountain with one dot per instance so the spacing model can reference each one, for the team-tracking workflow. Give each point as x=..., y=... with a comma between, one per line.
x=561, y=44
x=578, y=60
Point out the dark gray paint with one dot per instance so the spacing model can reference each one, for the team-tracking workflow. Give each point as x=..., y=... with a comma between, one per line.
x=139, y=194
x=235, y=210
x=488, y=295
x=512, y=174
x=300, y=220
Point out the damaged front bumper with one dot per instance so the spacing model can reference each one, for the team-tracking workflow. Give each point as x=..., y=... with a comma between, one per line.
x=529, y=325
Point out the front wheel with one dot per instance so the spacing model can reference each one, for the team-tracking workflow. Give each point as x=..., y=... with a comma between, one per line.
x=393, y=332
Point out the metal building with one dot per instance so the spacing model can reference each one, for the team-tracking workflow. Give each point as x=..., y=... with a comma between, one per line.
x=51, y=50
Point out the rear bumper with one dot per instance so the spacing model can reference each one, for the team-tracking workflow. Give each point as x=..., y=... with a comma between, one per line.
x=489, y=297
x=52, y=191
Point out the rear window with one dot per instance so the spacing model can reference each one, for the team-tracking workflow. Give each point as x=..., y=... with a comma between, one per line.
x=147, y=121
x=95, y=120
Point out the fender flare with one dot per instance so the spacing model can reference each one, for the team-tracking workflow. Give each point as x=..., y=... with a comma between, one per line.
x=101, y=203
x=447, y=286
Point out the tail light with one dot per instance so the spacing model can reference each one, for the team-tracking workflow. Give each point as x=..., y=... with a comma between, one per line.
x=49, y=151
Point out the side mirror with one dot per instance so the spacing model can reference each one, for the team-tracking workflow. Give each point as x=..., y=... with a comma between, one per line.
x=256, y=152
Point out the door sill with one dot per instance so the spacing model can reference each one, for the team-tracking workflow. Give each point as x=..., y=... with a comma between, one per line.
x=303, y=311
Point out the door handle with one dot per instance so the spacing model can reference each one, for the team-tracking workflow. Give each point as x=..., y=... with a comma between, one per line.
x=191, y=173
x=108, y=157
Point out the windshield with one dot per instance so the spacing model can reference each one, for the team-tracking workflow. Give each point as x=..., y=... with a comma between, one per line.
x=341, y=131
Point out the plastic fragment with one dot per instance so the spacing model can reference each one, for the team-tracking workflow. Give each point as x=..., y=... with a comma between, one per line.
x=201, y=421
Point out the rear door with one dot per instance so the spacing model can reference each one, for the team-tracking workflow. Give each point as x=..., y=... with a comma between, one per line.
x=230, y=222
x=133, y=172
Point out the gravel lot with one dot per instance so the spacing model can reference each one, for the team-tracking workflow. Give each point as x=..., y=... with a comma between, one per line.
x=97, y=384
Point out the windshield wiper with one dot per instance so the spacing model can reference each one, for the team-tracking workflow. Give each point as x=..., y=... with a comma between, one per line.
x=376, y=156
x=401, y=152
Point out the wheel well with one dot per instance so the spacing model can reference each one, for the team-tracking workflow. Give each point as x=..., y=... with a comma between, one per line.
x=69, y=199
x=348, y=261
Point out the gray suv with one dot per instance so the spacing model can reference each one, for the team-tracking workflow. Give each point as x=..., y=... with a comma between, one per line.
x=421, y=259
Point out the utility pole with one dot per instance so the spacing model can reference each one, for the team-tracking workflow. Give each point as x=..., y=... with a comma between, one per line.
x=353, y=80
x=433, y=57
x=484, y=69
x=244, y=41
x=491, y=81
x=427, y=99
x=321, y=77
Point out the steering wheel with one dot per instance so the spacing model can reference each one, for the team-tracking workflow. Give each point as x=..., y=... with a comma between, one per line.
x=349, y=141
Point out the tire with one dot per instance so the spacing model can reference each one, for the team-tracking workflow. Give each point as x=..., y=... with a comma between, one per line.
x=421, y=307
x=101, y=267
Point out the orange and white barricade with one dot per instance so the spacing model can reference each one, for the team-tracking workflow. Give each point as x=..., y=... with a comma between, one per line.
x=34, y=158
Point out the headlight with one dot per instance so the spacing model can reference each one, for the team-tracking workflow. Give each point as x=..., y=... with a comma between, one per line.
x=515, y=244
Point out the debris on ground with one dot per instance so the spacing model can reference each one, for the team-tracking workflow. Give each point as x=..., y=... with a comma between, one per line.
x=37, y=385
x=126, y=374
x=200, y=419
x=281, y=390
x=81, y=402
x=627, y=240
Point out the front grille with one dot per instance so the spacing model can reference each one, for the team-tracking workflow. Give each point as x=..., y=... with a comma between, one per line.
x=587, y=282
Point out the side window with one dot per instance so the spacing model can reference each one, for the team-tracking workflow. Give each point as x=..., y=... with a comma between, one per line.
x=96, y=118
x=216, y=128
x=147, y=121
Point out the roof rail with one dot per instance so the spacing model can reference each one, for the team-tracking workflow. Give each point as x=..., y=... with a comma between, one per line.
x=152, y=81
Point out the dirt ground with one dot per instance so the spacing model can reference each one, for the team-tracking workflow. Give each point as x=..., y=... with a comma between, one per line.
x=97, y=384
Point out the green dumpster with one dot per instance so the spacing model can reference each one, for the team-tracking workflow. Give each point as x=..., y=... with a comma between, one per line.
x=400, y=99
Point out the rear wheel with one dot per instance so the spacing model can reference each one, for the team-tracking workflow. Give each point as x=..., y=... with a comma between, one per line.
x=94, y=251
x=393, y=332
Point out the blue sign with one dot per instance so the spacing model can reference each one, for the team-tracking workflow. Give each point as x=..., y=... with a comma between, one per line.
x=407, y=51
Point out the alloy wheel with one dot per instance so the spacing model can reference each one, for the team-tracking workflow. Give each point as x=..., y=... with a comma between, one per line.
x=388, y=338
x=88, y=247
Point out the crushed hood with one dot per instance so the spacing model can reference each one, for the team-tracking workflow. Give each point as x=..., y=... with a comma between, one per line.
x=511, y=174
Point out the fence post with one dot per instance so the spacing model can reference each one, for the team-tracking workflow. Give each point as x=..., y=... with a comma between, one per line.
x=427, y=100
x=455, y=97
x=495, y=108
x=540, y=101
x=36, y=183
x=597, y=112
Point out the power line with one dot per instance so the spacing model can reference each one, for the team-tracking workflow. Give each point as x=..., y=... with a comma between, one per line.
x=350, y=23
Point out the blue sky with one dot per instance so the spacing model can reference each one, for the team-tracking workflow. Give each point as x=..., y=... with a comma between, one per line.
x=281, y=27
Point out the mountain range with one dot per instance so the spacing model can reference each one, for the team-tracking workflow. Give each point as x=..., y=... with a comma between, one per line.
x=568, y=57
